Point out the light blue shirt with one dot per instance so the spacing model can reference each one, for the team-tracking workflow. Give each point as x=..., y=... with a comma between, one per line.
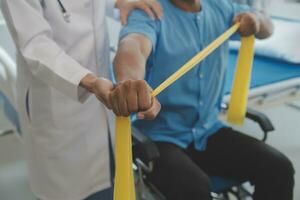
x=190, y=106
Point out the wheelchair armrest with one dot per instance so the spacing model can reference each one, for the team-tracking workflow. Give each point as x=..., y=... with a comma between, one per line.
x=258, y=117
x=263, y=121
x=143, y=147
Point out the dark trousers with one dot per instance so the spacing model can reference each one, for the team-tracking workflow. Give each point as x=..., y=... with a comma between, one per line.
x=183, y=174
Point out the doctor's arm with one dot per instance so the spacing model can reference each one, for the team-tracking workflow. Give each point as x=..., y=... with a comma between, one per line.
x=129, y=68
x=46, y=60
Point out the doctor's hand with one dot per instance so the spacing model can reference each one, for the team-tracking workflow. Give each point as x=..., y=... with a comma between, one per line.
x=250, y=24
x=101, y=87
x=151, y=7
x=134, y=96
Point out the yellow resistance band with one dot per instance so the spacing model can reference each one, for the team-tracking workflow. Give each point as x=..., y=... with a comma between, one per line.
x=124, y=180
x=240, y=88
x=124, y=188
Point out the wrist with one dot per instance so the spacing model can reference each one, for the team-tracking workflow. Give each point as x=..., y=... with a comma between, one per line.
x=89, y=82
x=102, y=87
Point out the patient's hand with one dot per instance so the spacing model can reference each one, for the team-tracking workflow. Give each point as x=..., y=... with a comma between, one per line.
x=250, y=24
x=134, y=96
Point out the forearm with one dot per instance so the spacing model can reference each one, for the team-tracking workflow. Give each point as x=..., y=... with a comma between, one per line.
x=130, y=61
x=129, y=69
x=266, y=26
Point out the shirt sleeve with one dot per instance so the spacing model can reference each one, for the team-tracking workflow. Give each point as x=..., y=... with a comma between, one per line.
x=139, y=22
x=45, y=58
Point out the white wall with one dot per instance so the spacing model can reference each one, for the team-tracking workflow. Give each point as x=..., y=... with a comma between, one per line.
x=284, y=8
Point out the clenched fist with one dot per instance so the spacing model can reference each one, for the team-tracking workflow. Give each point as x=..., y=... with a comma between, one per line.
x=134, y=96
x=250, y=24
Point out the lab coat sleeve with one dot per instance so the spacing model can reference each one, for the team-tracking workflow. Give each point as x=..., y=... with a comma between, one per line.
x=32, y=35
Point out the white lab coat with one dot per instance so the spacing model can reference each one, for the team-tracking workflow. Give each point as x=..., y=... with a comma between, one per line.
x=65, y=128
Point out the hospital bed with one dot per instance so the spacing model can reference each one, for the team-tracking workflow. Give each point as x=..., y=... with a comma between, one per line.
x=274, y=82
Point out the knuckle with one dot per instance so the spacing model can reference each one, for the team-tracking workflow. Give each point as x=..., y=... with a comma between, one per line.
x=140, y=84
x=127, y=85
x=140, y=81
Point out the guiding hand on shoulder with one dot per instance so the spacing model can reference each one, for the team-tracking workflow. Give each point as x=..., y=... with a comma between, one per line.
x=151, y=7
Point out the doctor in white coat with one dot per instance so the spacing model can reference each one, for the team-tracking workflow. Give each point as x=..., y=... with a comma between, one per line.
x=62, y=49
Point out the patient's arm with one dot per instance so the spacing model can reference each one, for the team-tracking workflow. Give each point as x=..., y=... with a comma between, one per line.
x=132, y=54
x=258, y=24
x=129, y=69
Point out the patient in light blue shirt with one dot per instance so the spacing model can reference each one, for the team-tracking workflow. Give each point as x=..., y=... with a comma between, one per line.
x=191, y=105
x=193, y=143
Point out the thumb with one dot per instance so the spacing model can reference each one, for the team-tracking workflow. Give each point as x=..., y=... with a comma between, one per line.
x=151, y=113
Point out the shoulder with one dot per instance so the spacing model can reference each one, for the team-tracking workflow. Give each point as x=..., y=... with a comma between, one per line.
x=138, y=15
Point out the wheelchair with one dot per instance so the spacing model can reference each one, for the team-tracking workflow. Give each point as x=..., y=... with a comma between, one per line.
x=145, y=153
